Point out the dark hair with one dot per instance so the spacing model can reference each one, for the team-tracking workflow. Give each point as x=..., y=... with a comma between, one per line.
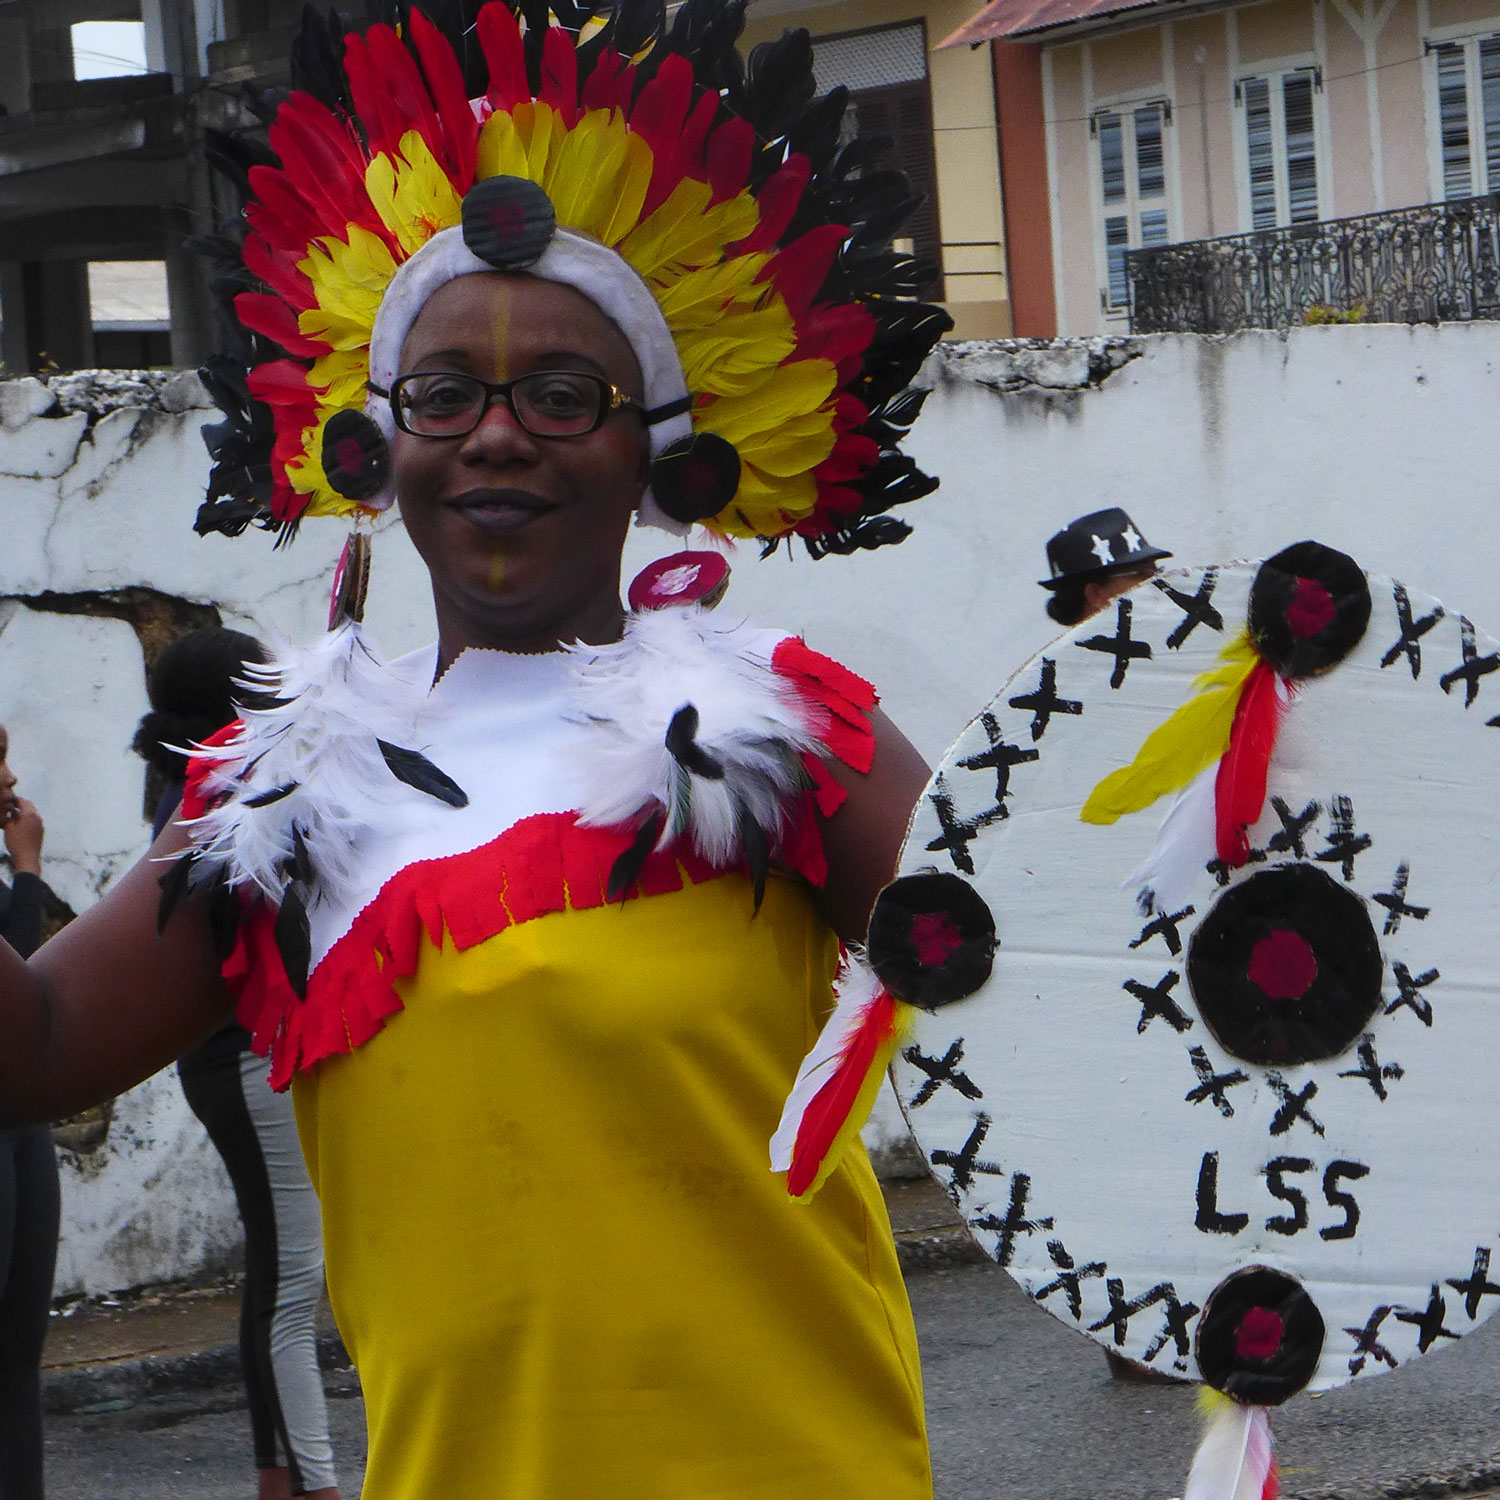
x=191, y=689
x=1068, y=603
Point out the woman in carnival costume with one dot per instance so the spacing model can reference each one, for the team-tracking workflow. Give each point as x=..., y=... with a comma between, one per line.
x=538, y=922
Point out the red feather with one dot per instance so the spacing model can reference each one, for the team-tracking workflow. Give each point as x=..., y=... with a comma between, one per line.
x=659, y=117
x=280, y=382
x=278, y=269
x=505, y=56
x=560, y=74
x=610, y=84
x=287, y=222
x=382, y=129
x=271, y=316
x=777, y=202
x=799, y=271
x=389, y=92
x=830, y=1106
x=728, y=157
x=853, y=457
x=839, y=333
x=1240, y=786
x=314, y=150
x=445, y=79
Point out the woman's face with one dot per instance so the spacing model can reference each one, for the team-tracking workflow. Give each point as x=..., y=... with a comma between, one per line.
x=9, y=805
x=522, y=535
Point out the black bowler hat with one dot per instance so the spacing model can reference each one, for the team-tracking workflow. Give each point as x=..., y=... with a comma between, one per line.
x=1095, y=546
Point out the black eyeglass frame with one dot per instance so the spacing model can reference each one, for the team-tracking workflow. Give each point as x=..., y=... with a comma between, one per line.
x=612, y=399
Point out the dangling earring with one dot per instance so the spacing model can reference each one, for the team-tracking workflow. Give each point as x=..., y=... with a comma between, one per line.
x=351, y=579
x=357, y=462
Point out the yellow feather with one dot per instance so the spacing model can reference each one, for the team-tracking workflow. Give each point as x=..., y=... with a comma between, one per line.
x=762, y=506
x=348, y=281
x=732, y=357
x=412, y=193
x=1211, y=1402
x=685, y=232
x=700, y=299
x=340, y=377
x=788, y=392
x=629, y=191
x=595, y=161
x=501, y=150
x=1175, y=752
x=535, y=124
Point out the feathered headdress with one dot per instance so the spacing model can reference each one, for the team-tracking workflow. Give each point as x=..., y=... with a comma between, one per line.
x=784, y=330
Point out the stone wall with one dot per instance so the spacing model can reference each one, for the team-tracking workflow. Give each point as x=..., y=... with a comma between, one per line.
x=1379, y=440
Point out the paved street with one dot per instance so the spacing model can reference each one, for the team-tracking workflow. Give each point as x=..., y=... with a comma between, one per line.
x=1020, y=1409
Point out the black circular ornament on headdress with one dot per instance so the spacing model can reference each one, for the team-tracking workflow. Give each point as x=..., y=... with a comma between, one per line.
x=1260, y=1337
x=1309, y=606
x=356, y=456
x=1286, y=967
x=695, y=477
x=508, y=222
x=932, y=939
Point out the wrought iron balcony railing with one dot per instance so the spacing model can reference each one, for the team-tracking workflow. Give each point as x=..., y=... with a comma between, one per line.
x=1437, y=262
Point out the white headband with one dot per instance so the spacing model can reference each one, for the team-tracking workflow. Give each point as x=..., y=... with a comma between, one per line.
x=575, y=260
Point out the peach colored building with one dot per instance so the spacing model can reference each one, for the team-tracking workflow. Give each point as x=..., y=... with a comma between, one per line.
x=939, y=108
x=1163, y=123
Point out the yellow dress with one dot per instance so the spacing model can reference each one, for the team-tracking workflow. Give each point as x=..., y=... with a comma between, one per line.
x=555, y=1250
x=538, y=1120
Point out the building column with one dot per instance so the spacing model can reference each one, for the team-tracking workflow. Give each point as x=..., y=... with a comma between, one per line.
x=47, y=317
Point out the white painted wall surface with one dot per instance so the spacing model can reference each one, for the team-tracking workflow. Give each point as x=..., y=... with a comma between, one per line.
x=1377, y=439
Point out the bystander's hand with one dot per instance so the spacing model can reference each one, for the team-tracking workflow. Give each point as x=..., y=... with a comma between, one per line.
x=23, y=837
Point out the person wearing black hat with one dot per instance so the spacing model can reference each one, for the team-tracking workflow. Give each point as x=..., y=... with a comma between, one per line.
x=1094, y=559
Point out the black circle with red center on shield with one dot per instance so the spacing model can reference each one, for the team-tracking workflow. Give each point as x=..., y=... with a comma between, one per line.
x=1309, y=606
x=1286, y=967
x=932, y=939
x=1260, y=1337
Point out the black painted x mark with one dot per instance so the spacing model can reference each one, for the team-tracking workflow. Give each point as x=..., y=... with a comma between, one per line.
x=1121, y=645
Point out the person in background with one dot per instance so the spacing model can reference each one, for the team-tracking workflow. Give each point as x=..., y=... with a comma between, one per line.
x=1093, y=560
x=253, y=1129
x=28, y=1183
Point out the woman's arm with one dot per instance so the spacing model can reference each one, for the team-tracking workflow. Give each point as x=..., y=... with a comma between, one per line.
x=863, y=838
x=107, y=1002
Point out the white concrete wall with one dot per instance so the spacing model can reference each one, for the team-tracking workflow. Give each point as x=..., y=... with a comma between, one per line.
x=1378, y=440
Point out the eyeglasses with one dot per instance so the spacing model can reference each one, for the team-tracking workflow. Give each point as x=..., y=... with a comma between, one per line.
x=546, y=403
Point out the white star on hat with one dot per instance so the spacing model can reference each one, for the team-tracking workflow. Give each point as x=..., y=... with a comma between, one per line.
x=1132, y=539
x=1101, y=550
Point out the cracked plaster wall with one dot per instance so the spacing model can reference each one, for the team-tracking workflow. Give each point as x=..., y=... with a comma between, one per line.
x=1377, y=439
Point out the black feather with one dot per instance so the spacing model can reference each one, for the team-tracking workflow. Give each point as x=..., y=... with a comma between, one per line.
x=779, y=83
x=412, y=767
x=298, y=865
x=816, y=134
x=174, y=885
x=223, y=916
x=265, y=799
x=627, y=868
x=684, y=748
x=294, y=939
x=756, y=851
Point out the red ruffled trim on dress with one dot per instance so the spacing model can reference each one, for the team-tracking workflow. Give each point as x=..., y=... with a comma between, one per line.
x=545, y=863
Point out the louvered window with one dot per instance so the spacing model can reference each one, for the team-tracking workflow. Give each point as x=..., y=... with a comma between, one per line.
x=1133, y=189
x=1281, y=147
x=1468, y=107
x=885, y=72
